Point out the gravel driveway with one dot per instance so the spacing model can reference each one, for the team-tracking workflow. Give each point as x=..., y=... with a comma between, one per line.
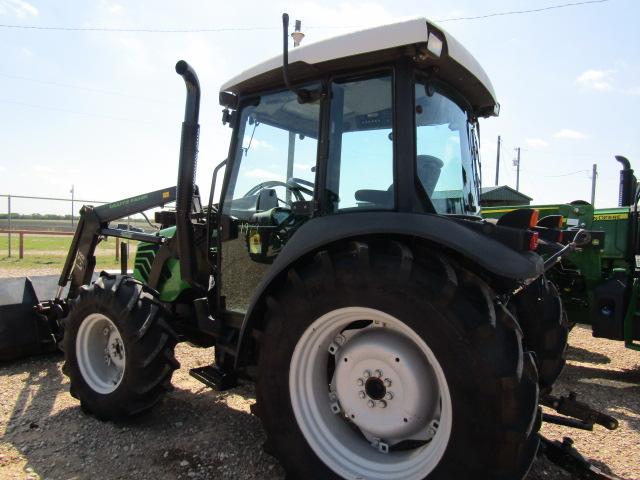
x=200, y=433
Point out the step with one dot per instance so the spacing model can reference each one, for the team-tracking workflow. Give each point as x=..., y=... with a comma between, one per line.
x=214, y=377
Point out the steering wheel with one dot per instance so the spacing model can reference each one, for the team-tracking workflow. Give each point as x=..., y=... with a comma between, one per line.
x=293, y=186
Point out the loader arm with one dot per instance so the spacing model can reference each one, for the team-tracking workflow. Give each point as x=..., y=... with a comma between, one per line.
x=94, y=225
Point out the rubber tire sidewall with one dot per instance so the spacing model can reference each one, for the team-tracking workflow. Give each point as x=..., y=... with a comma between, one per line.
x=474, y=410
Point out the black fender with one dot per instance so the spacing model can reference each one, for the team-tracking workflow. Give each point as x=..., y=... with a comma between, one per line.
x=450, y=232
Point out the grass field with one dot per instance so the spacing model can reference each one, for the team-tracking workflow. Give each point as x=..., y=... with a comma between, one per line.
x=51, y=251
x=58, y=225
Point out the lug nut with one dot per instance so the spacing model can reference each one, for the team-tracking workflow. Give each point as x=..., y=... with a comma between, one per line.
x=389, y=396
x=371, y=404
x=360, y=382
x=361, y=394
x=387, y=382
x=366, y=374
x=378, y=373
x=382, y=404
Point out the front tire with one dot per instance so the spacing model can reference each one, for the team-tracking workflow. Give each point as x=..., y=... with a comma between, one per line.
x=463, y=394
x=118, y=348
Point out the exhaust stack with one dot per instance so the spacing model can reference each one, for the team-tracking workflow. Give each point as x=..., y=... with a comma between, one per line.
x=187, y=173
x=627, y=183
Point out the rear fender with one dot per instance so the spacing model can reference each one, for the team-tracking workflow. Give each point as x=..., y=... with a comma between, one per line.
x=487, y=253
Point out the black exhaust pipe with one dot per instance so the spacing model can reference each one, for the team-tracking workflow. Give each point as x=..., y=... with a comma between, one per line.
x=627, y=183
x=187, y=173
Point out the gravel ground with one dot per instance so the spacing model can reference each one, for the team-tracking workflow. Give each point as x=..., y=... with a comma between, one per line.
x=33, y=272
x=200, y=433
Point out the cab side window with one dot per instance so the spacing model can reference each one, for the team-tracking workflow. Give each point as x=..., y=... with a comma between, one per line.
x=360, y=167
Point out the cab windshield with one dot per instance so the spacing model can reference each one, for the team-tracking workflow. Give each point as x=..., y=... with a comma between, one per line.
x=446, y=151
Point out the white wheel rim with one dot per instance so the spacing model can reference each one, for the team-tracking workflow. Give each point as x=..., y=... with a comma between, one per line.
x=100, y=353
x=354, y=448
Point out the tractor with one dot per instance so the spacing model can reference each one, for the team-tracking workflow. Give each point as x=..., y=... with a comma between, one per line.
x=390, y=330
x=599, y=282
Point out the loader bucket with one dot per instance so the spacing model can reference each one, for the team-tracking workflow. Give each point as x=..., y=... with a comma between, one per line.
x=22, y=331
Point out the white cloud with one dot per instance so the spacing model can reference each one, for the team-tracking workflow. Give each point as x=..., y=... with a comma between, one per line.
x=633, y=90
x=112, y=7
x=262, y=174
x=600, y=80
x=571, y=134
x=42, y=168
x=26, y=52
x=2, y=168
x=135, y=53
x=261, y=145
x=344, y=14
x=19, y=8
x=306, y=167
x=536, y=143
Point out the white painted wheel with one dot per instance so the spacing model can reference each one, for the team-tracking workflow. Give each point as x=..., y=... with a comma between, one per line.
x=100, y=353
x=370, y=398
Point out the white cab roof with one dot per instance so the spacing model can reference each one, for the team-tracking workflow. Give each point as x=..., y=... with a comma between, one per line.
x=368, y=41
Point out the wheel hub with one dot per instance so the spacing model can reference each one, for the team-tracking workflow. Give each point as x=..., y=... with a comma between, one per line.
x=341, y=418
x=375, y=389
x=384, y=385
x=115, y=349
x=100, y=353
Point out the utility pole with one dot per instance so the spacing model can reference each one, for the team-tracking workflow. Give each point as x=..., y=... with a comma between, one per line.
x=72, y=192
x=9, y=234
x=594, y=175
x=498, y=162
x=516, y=162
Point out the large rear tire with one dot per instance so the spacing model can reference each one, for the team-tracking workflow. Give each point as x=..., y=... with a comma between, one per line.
x=118, y=348
x=545, y=327
x=379, y=364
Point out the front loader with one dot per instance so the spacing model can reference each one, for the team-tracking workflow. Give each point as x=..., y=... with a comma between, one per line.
x=345, y=269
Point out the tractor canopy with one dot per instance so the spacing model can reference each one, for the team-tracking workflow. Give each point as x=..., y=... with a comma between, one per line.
x=428, y=47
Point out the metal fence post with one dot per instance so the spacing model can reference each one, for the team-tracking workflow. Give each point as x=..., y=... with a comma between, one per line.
x=9, y=234
x=117, y=248
x=21, y=245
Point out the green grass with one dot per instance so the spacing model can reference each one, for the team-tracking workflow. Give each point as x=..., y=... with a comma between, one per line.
x=51, y=252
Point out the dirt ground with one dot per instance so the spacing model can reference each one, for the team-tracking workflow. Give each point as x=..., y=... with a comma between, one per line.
x=200, y=433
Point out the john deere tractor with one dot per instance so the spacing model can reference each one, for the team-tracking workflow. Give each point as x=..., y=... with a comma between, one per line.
x=599, y=282
x=345, y=270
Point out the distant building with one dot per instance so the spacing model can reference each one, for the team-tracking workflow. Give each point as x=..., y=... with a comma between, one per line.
x=502, y=195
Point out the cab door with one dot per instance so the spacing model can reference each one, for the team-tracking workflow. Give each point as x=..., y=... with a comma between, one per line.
x=271, y=178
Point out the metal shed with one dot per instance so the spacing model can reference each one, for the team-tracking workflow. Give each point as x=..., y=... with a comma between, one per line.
x=502, y=195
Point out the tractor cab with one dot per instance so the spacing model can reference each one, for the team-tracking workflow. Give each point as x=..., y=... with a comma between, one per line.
x=380, y=120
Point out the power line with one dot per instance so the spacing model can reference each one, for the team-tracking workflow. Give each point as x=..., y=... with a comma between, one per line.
x=519, y=12
x=88, y=89
x=252, y=28
x=158, y=30
x=75, y=112
x=566, y=174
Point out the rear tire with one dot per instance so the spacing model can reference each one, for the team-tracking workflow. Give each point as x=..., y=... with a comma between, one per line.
x=118, y=348
x=470, y=352
x=544, y=323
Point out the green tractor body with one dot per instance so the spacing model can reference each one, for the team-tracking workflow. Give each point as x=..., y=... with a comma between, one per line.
x=597, y=282
x=171, y=284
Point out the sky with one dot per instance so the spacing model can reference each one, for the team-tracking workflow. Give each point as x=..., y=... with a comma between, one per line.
x=102, y=110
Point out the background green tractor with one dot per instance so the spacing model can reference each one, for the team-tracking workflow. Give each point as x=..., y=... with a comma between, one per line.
x=390, y=330
x=599, y=281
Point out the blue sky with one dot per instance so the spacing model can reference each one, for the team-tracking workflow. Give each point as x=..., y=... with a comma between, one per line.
x=568, y=81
